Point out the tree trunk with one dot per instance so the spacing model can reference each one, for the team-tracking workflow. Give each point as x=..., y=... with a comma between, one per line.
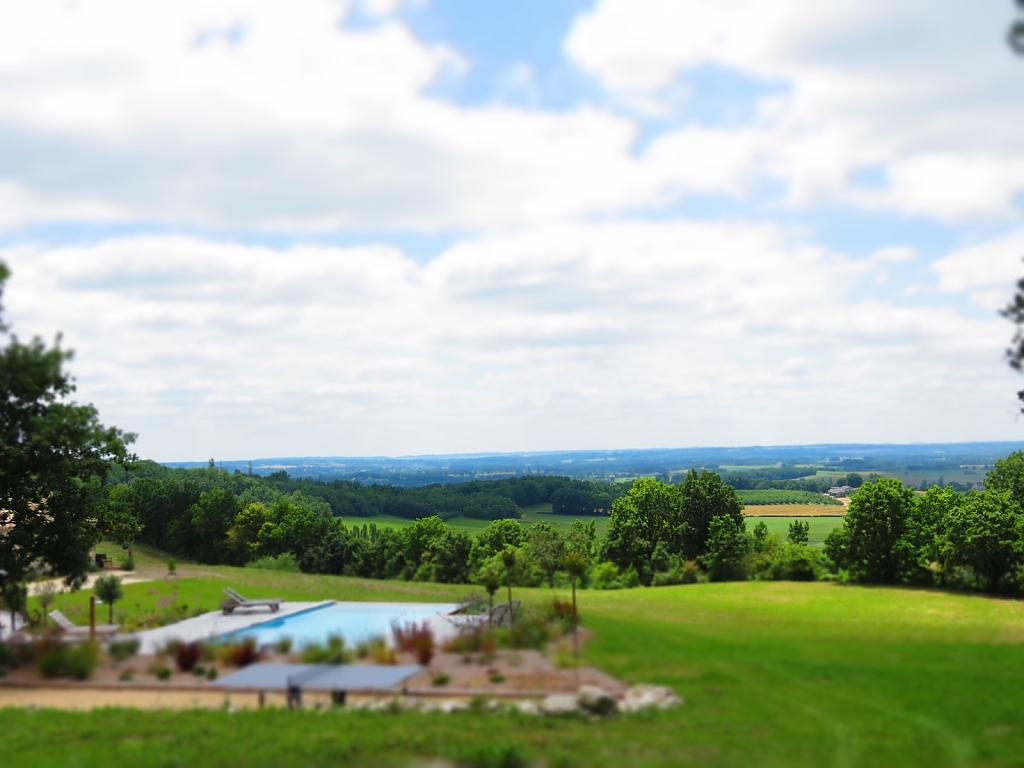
x=110, y=613
x=575, y=626
x=490, y=609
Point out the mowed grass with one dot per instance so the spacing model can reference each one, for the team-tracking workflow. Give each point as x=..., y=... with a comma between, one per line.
x=820, y=527
x=773, y=674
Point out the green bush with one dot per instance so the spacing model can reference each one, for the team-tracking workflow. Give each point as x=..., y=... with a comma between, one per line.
x=606, y=576
x=442, y=679
x=284, y=562
x=331, y=652
x=62, y=660
x=120, y=650
x=211, y=673
x=128, y=564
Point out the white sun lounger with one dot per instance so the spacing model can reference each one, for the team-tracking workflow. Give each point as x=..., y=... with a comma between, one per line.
x=236, y=600
x=70, y=628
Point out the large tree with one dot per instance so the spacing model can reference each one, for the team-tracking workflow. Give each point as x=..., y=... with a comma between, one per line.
x=705, y=496
x=984, y=533
x=649, y=515
x=873, y=543
x=54, y=456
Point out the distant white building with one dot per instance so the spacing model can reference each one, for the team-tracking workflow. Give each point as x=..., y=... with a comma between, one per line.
x=841, y=491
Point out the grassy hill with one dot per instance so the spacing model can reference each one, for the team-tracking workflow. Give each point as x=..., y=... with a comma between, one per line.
x=773, y=674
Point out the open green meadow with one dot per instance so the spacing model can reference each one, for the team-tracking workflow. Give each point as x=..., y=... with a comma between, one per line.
x=773, y=673
x=820, y=527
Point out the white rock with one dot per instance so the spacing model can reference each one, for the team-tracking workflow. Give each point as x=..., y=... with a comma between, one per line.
x=560, y=704
x=452, y=705
x=641, y=697
x=527, y=707
x=596, y=700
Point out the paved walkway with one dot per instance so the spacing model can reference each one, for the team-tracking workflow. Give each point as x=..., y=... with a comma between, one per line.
x=214, y=623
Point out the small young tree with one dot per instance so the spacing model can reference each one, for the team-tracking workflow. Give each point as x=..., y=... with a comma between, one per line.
x=799, y=532
x=46, y=593
x=490, y=578
x=576, y=565
x=109, y=590
x=508, y=559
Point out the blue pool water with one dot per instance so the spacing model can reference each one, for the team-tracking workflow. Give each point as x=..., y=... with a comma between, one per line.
x=356, y=622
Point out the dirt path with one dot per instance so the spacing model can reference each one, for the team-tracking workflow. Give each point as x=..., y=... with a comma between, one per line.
x=127, y=577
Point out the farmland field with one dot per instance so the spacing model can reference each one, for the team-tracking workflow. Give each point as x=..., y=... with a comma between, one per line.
x=751, y=498
x=795, y=510
x=773, y=674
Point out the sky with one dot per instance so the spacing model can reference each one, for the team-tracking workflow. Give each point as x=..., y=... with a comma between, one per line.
x=365, y=227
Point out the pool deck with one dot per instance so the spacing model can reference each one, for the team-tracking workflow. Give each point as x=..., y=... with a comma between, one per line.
x=214, y=623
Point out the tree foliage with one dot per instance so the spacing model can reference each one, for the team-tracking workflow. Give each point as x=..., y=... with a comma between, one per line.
x=54, y=457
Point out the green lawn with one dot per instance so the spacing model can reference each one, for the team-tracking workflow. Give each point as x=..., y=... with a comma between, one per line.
x=773, y=674
x=820, y=526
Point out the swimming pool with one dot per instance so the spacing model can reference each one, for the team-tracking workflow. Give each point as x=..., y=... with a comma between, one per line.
x=356, y=622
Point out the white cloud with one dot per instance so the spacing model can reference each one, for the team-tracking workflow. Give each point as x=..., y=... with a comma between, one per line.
x=626, y=333
x=894, y=254
x=20, y=207
x=987, y=272
x=250, y=114
x=926, y=93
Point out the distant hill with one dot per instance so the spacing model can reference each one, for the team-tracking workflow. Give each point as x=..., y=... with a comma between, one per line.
x=915, y=461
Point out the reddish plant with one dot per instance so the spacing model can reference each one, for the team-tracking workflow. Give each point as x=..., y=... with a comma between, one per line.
x=417, y=639
x=187, y=655
x=240, y=654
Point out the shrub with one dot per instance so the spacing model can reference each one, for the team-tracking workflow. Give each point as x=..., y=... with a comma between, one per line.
x=478, y=639
x=417, y=639
x=606, y=576
x=211, y=673
x=199, y=670
x=530, y=631
x=284, y=645
x=559, y=613
x=331, y=652
x=121, y=650
x=442, y=679
x=163, y=673
x=497, y=677
x=187, y=655
x=128, y=564
x=75, y=661
x=126, y=676
x=377, y=650
x=284, y=562
x=240, y=654
x=172, y=566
